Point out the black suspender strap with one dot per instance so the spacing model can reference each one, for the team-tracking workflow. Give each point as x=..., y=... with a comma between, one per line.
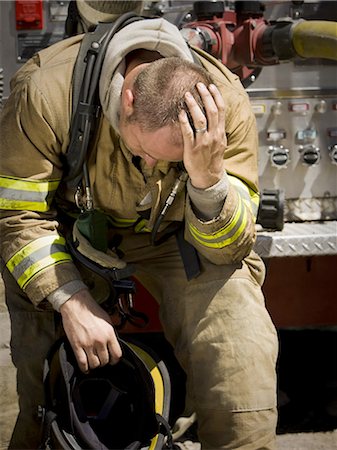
x=189, y=256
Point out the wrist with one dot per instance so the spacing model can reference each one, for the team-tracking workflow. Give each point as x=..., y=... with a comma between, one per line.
x=62, y=294
x=77, y=299
x=202, y=183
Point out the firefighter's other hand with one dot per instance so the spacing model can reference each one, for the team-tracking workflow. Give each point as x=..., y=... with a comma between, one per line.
x=204, y=147
x=90, y=332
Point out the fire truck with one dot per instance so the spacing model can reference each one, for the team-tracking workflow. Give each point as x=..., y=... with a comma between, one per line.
x=285, y=55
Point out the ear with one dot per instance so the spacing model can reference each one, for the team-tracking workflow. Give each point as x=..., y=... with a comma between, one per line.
x=127, y=101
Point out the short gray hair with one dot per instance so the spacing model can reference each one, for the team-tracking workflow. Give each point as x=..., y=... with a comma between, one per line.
x=159, y=91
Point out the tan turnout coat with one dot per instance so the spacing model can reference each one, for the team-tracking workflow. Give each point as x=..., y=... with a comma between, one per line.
x=34, y=136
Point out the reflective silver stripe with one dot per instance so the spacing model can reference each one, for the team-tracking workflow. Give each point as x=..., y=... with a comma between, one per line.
x=26, y=194
x=36, y=256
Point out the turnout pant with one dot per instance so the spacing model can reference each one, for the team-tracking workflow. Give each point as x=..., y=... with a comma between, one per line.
x=218, y=325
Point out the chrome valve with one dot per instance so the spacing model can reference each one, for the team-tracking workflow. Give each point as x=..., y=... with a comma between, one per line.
x=310, y=155
x=279, y=156
x=333, y=153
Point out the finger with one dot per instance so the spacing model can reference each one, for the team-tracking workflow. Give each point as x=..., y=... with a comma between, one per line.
x=219, y=101
x=82, y=360
x=210, y=106
x=186, y=130
x=93, y=359
x=115, y=351
x=198, y=117
x=103, y=355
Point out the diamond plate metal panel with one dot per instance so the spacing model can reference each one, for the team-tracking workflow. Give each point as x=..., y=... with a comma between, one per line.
x=298, y=239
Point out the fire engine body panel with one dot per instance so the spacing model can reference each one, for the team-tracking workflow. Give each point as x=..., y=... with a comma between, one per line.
x=295, y=104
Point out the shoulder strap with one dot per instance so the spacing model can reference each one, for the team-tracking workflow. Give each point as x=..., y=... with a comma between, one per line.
x=85, y=101
x=90, y=43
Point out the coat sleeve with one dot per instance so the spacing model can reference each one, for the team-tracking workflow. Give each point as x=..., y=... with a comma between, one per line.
x=30, y=171
x=229, y=237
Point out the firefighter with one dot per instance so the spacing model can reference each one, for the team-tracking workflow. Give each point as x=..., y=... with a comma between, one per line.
x=169, y=125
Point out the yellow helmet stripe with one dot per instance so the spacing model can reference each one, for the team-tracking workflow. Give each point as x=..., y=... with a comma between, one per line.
x=158, y=383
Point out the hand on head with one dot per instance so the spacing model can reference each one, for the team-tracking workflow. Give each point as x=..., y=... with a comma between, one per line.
x=204, y=139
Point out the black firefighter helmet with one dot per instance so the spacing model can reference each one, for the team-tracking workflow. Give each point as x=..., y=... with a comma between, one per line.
x=121, y=406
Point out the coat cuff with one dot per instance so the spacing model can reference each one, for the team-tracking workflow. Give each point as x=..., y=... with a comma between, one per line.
x=63, y=293
x=208, y=203
x=51, y=279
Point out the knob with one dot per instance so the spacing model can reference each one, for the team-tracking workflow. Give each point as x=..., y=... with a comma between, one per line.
x=333, y=153
x=277, y=109
x=271, y=209
x=321, y=107
x=279, y=156
x=311, y=155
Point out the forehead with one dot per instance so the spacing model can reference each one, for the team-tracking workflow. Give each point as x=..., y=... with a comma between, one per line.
x=164, y=143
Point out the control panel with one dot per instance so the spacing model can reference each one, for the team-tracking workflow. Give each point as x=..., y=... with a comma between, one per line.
x=26, y=27
x=298, y=149
x=295, y=104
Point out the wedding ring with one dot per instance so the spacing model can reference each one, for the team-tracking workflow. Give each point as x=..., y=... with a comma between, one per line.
x=201, y=130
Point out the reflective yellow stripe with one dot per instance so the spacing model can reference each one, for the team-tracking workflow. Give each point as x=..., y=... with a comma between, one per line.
x=222, y=231
x=23, y=206
x=28, y=249
x=255, y=200
x=37, y=256
x=249, y=205
x=33, y=270
x=25, y=194
x=252, y=198
x=122, y=223
x=25, y=184
x=221, y=239
x=225, y=242
x=141, y=227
